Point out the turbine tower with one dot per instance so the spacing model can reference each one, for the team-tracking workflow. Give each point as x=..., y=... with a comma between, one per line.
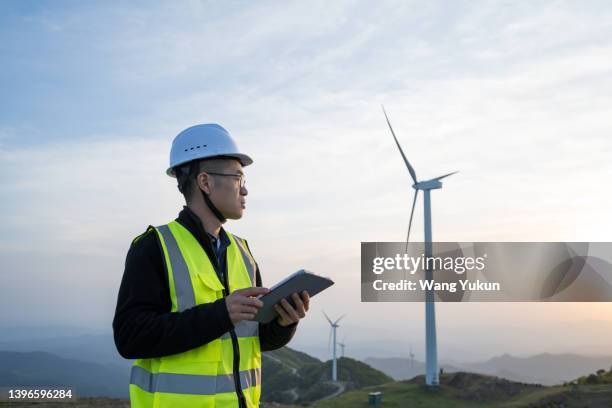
x=431, y=349
x=332, y=333
x=411, y=358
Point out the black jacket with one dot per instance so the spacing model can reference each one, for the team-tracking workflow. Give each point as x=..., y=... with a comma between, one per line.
x=143, y=325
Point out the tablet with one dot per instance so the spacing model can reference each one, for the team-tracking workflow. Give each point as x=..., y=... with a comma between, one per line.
x=299, y=281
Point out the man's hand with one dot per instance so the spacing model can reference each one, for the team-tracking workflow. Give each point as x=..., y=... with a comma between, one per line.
x=241, y=306
x=288, y=314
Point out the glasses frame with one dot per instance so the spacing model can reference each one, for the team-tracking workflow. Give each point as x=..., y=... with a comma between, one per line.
x=241, y=178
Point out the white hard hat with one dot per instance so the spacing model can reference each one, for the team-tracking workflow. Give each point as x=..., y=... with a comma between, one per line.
x=201, y=142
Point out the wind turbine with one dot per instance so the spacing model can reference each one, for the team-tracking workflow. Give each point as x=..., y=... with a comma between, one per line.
x=332, y=333
x=411, y=358
x=431, y=354
x=342, y=346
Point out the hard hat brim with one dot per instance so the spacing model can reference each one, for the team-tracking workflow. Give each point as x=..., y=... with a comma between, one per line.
x=244, y=159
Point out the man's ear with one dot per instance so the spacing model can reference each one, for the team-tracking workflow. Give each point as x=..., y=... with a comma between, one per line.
x=204, y=182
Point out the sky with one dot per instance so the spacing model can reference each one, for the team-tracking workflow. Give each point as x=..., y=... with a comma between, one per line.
x=517, y=96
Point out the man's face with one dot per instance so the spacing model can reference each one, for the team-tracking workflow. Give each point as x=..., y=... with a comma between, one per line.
x=225, y=191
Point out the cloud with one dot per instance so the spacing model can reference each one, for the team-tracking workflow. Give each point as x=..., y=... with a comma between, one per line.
x=81, y=193
x=516, y=97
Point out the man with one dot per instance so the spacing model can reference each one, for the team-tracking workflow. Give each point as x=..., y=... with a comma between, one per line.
x=188, y=293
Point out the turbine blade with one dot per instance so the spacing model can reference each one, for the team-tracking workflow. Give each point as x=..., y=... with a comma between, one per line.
x=410, y=169
x=340, y=318
x=327, y=317
x=416, y=192
x=330, y=337
x=446, y=175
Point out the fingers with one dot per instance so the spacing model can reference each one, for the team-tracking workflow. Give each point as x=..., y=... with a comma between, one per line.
x=241, y=306
x=237, y=308
x=238, y=311
x=254, y=291
x=299, y=305
x=290, y=310
x=244, y=306
x=289, y=314
x=306, y=300
x=284, y=316
x=251, y=302
x=247, y=301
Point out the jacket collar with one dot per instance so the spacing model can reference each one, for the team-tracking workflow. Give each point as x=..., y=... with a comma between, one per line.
x=188, y=219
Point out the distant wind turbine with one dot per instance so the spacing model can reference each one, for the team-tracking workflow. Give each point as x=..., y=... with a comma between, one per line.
x=342, y=346
x=431, y=355
x=332, y=333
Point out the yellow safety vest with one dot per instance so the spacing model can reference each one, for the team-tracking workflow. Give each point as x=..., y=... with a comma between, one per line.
x=203, y=377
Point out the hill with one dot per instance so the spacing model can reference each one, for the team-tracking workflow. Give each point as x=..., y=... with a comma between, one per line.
x=290, y=376
x=467, y=390
x=544, y=368
x=293, y=377
x=45, y=369
x=403, y=368
x=94, y=348
x=601, y=376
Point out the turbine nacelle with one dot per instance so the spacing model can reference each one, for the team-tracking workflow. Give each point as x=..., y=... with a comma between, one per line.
x=427, y=185
x=432, y=184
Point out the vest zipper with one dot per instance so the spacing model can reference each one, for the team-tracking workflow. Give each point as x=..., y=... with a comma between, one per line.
x=236, y=348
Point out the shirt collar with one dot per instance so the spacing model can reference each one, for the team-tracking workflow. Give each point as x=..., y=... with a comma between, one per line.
x=192, y=222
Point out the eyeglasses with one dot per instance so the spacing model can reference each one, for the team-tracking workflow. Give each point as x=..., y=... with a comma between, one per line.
x=240, y=177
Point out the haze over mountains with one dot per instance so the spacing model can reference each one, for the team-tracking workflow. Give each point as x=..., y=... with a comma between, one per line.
x=545, y=368
x=89, y=359
x=463, y=341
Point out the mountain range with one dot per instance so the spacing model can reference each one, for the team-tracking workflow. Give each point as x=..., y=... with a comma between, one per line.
x=544, y=368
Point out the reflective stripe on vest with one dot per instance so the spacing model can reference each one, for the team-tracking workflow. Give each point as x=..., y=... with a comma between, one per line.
x=245, y=328
x=180, y=272
x=248, y=260
x=192, y=384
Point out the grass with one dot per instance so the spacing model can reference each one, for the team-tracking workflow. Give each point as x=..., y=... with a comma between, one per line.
x=397, y=394
x=476, y=391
